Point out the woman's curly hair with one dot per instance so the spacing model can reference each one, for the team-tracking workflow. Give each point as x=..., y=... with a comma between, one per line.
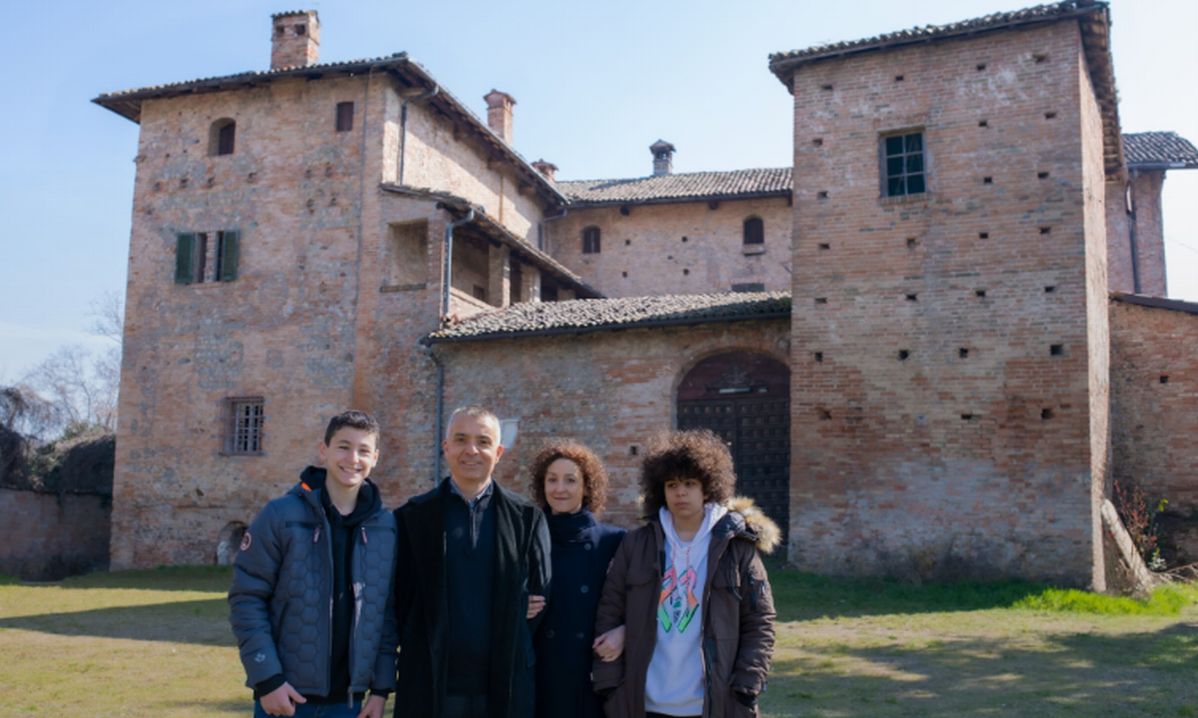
x=693, y=454
x=594, y=476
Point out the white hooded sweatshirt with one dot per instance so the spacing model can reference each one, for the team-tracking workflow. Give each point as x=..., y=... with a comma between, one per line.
x=674, y=685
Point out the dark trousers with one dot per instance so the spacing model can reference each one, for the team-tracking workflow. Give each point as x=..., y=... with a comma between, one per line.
x=466, y=705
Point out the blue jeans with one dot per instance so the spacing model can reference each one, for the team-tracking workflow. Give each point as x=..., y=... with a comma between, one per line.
x=340, y=709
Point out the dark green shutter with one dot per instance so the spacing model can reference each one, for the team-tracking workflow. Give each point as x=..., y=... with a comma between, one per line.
x=228, y=255
x=184, y=248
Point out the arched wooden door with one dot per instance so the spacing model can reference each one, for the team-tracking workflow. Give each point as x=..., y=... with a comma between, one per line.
x=745, y=398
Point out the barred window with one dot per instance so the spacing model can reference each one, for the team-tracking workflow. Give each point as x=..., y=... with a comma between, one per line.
x=245, y=425
x=903, y=166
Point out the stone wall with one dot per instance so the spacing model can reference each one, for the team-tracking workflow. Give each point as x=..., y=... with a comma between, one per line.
x=941, y=355
x=1154, y=389
x=45, y=537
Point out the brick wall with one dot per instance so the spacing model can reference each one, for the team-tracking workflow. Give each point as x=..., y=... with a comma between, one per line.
x=283, y=330
x=941, y=417
x=45, y=537
x=1145, y=188
x=610, y=390
x=644, y=252
x=1154, y=389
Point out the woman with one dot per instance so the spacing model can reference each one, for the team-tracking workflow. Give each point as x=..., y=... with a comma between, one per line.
x=691, y=589
x=570, y=486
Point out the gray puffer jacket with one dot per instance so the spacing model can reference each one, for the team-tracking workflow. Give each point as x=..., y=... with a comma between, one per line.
x=281, y=600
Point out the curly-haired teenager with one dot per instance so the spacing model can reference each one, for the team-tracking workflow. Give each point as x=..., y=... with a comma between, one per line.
x=570, y=485
x=691, y=589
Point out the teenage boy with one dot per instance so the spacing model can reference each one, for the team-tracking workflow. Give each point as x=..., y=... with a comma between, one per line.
x=691, y=589
x=473, y=556
x=310, y=602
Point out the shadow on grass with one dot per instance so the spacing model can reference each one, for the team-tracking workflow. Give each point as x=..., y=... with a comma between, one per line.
x=1141, y=674
x=163, y=578
x=803, y=596
x=203, y=622
x=215, y=707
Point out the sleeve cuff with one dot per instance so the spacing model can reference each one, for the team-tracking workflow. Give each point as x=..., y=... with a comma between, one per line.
x=264, y=687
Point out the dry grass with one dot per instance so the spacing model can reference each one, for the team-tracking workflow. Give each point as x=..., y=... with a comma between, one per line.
x=156, y=643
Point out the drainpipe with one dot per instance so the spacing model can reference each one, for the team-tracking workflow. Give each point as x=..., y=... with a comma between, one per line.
x=403, y=123
x=542, y=239
x=439, y=411
x=1131, y=234
x=447, y=266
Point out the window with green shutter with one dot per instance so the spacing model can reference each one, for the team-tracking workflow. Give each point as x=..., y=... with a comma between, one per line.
x=192, y=259
x=227, y=252
x=184, y=258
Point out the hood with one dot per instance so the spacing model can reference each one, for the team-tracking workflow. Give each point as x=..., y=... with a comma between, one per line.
x=749, y=522
x=311, y=488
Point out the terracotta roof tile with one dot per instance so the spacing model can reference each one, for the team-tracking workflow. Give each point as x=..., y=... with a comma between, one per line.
x=591, y=315
x=682, y=186
x=1161, y=149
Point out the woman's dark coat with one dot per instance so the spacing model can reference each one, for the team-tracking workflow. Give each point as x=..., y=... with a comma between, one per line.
x=582, y=551
x=521, y=568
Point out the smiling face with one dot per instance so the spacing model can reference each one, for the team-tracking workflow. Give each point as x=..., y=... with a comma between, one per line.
x=471, y=449
x=684, y=499
x=348, y=457
x=565, y=487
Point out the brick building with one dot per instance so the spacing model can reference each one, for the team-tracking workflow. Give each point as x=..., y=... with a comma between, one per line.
x=934, y=399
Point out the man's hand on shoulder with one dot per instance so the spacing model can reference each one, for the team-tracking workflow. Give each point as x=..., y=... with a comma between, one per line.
x=373, y=708
x=281, y=701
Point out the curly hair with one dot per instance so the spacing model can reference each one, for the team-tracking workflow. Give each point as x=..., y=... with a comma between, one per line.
x=693, y=454
x=594, y=476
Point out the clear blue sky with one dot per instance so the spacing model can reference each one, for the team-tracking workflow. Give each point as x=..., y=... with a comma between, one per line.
x=595, y=84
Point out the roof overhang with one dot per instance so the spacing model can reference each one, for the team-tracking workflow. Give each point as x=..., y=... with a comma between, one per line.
x=409, y=75
x=1094, y=21
x=460, y=206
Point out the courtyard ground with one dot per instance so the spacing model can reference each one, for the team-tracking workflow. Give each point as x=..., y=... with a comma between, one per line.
x=157, y=643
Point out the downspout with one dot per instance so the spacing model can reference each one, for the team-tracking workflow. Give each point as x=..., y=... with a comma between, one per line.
x=439, y=411
x=403, y=123
x=542, y=238
x=1131, y=233
x=447, y=265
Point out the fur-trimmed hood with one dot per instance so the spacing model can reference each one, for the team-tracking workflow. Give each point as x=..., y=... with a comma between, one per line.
x=750, y=522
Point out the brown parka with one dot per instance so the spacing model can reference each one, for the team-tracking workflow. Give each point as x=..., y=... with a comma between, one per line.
x=738, y=614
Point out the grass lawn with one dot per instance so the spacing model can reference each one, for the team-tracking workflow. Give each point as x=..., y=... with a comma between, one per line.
x=157, y=643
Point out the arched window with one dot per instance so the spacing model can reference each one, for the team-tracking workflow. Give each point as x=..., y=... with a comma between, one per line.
x=590, y=240
x=221, y=136
x=754, y=231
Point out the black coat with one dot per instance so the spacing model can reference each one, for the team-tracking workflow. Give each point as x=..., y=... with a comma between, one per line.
x=582, y=551
x=521, y=568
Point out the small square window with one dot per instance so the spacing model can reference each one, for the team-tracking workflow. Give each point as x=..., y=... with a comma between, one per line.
x=245, y=419
x=903, y=164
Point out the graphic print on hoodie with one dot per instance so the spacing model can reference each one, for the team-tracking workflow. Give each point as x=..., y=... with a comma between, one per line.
x=674, y=684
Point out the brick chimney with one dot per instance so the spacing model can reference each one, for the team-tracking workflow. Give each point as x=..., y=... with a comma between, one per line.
x=546, y=168
x=663, y=157
x=499, y=113
x=294, y=39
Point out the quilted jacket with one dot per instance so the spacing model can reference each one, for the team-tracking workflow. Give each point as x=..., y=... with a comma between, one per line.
x=281, y=600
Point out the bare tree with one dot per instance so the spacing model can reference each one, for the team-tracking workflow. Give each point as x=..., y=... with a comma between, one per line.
x=80, y=386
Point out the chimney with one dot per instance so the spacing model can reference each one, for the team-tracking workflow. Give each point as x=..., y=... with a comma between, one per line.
x=294, y=39
x=663, y=157
x=546, y=168
x=499, y=113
